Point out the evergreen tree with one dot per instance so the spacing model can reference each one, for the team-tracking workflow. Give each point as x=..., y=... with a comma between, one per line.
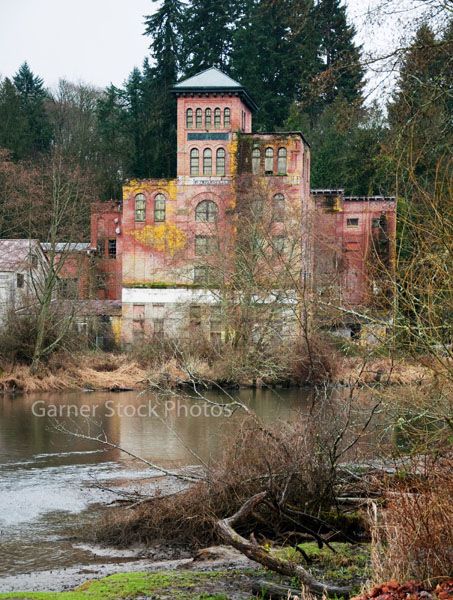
x=13, y=122
x=342, y=73
x=208, y=34
x=32, y=99
x=159, y=125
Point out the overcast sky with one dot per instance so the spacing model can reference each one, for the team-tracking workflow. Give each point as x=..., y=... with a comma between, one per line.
x=96, y=41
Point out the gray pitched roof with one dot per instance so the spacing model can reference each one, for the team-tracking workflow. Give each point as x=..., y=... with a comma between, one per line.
x=211, y=78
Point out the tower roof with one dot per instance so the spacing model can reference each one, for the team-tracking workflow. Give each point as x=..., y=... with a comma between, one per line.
x=213, y=80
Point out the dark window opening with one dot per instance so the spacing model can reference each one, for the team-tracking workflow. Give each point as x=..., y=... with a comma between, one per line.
x=189, y=118
x=353, y=222
x=20, y=280
x=112, y=248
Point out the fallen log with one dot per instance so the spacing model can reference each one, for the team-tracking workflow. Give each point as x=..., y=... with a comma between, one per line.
x=260, y=555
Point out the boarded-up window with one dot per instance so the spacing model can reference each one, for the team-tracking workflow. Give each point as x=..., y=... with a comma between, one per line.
x=159, y=208
x=140, y=207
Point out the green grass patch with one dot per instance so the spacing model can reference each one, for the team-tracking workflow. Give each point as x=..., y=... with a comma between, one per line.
x=178, y=585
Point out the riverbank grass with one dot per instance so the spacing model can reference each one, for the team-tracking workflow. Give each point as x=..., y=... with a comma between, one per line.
x=182, y=585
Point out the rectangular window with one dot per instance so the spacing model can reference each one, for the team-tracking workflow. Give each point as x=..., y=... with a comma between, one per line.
x=101, y=281
x=195, y=315
x=215, y=324
x=100, y=247
x=138, y=312
x=205, y=244
x=20, y=280
x=68, y=287
x=201, y=274
x=352, y=222
x=112, y=248
x=34, y=261
x=158, y=327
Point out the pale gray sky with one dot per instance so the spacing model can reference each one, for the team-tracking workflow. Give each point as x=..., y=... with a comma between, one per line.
x=98, y=41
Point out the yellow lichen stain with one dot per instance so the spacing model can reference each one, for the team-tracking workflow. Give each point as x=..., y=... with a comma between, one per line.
x=142, y=186
x=116, y=329
x=164, y=237
x=232, y=151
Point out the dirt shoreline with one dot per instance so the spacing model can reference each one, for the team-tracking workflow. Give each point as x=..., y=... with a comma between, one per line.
x=119, y=372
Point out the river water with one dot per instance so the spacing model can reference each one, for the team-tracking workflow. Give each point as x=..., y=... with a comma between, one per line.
x=52, y=484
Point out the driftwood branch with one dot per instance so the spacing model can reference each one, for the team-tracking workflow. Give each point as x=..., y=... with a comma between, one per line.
x=260, y=555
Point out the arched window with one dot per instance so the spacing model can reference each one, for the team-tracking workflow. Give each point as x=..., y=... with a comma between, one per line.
x=194, y=162
x=140, y=208
x=269, y=161
x=278, y=208
x=159, y=208
x=198, y=118
x=217, y=117
x=256, y=160
x=206, y=211
x=281, y=161
x=226, y=117
x=207, y=161
x=207, y=118
x=189, y=118
x=220, y=162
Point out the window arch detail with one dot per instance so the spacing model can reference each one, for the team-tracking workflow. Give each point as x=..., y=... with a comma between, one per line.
x=278, y=208
x=208, y=118
x=256, y=160
x=207, y=161
x=206, y=212
x=189, y=118
x=226, y=117
x=220, y=162
x=269, y=161
x=159, y=208
x=194, y=162
x=217, y=118
x=281, y=161
x=198, y=118
x=140, y=208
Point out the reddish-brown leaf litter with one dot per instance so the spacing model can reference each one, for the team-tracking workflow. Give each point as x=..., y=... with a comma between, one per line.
x=411, y=590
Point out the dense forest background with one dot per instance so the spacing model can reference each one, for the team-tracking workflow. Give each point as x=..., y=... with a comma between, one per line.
x=299, y=60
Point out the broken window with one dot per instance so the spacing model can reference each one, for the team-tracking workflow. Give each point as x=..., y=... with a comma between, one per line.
x=159, y=208
x=278, y=208
x=256, y=160
x=207, y=161
x=198, y=118
x=206, y=212
x=281, y=161
x=20, y=280
x=220, y=162
x=226, y=117
x=112, y=248
x=207, y=118
x=217, y=118
x=140, y=208
x=189, y=118
x=194, y=162
x=100, y=247
x=269, y=161
x=352, y=222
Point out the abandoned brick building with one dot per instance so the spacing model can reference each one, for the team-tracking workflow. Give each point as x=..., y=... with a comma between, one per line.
x=168, y=249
